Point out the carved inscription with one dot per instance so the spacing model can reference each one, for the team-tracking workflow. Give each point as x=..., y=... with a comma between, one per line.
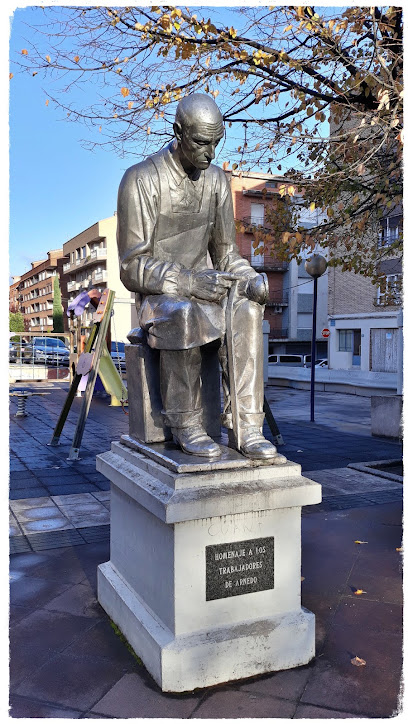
x=233, y=569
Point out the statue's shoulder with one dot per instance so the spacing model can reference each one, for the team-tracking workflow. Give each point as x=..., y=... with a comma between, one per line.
x=143, y=170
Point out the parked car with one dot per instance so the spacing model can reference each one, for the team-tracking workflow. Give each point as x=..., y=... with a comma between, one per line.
x=46, y=350
x=289, y=360
x=319, y=362
x=118, y=355
x=12, y=352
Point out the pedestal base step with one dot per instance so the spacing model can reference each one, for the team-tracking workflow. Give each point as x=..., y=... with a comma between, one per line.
x=187, y=662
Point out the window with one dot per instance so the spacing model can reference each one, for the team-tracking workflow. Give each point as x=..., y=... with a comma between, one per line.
x=257, y=214
x=389, y=291
x=257, y=260
x=390, y=229
x=83, y=252
x=271, y=184
x=346, y=340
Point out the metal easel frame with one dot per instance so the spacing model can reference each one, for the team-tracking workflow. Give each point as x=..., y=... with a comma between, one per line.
x=95, y=344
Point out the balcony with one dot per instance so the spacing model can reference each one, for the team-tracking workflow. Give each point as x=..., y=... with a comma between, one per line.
x=278, y=299
x=99, y=253
x=72, y=286
x=100, y=276
x=264, y=262
x=66, y=267
x=253, y=224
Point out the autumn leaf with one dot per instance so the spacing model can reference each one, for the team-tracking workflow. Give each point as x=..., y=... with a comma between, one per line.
x=47, y=102
x=124, y=91
x=48, y=59
x=225, y=165
x=130, y=104
x=357, y=661
x=359, y=591
x=76, y=59
x=399, y=550
x=24, y=52
x=360, y=542
x=10, y=76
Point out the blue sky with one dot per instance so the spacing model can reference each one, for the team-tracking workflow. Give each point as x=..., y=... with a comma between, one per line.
x=57, y=188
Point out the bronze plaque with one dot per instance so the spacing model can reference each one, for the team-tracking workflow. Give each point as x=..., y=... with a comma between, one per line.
x=233, y=569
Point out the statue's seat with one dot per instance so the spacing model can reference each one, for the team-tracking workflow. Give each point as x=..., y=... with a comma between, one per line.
x=144, y=403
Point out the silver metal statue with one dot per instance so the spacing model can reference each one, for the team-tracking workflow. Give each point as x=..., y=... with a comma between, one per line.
x=175, y=221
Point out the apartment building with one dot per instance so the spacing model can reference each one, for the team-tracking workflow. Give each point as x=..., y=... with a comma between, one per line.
x=35, y=291
x=290, y=305
x=91, y=261
x=364, y=320
x=14, y=295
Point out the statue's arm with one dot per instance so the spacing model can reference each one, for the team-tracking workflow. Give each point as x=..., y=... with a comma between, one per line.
x=137, y=212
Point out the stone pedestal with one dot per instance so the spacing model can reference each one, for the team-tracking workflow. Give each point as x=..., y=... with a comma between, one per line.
x=204, y=577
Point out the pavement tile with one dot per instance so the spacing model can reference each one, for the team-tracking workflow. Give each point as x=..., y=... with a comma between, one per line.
x=131, y=698
x=19, y=505
x=71, y=488
x=14, y=528
x=25, y=493
x=371, y=690
x=66, y=567
x=73, y=499
x=66, y=679
x=22, y=708
x=230, y=704
x=88, y=518
x=34, y=592
x=24, y=484
x=37, y=638
x=374, y=617
x=79, y=600
x=103, y=485
x=53, y=523
x=23, y=475
x=101, y=641
x=17, y=613
x=305, y=711
x=102, y=495
x=282, y=684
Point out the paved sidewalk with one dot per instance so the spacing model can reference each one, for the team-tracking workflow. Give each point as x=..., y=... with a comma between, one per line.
x=68, y=662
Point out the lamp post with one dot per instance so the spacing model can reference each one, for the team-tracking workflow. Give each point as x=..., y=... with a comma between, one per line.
x=315, y=267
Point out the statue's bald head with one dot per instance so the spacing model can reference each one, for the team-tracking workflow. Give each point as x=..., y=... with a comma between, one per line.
x=198, y=128
x=198, y=108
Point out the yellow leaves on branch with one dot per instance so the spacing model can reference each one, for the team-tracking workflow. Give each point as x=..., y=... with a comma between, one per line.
x=76, y=59
x=24, y=52
x=48, y=59
x=47, y=102
x=357, y=661
x=124, y=91
x=130, y=105
x=225, y=165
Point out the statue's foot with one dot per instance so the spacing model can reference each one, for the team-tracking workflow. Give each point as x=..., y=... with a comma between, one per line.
x=255, y=446
x=195, y=441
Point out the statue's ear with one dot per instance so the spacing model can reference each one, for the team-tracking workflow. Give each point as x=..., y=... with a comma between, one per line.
x=177, y=130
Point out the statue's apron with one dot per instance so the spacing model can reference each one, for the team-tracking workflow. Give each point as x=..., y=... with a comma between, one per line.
x=185, y=221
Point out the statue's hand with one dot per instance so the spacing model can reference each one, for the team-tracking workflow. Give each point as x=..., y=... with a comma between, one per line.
x=212, y=285
x=257, y=289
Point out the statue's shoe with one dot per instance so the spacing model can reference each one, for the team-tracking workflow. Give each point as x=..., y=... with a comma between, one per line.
x=195, y=441
x=255, y=446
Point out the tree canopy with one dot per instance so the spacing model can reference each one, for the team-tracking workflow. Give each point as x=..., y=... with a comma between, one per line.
x=317, y=97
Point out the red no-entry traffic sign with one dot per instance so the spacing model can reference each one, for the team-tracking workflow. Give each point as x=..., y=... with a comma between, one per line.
x=325, y=332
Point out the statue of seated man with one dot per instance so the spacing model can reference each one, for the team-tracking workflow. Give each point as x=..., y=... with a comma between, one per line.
x=174, y=214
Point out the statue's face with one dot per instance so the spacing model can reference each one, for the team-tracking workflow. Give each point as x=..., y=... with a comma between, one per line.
x=197, y=143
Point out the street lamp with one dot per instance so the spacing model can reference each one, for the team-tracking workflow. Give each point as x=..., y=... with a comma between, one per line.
x=315, y=266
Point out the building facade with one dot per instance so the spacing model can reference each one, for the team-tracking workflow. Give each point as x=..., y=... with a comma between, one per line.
x=290, y=305
x=365, y=319
x=14, y=295
x=35, y=291
x=91, y=261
